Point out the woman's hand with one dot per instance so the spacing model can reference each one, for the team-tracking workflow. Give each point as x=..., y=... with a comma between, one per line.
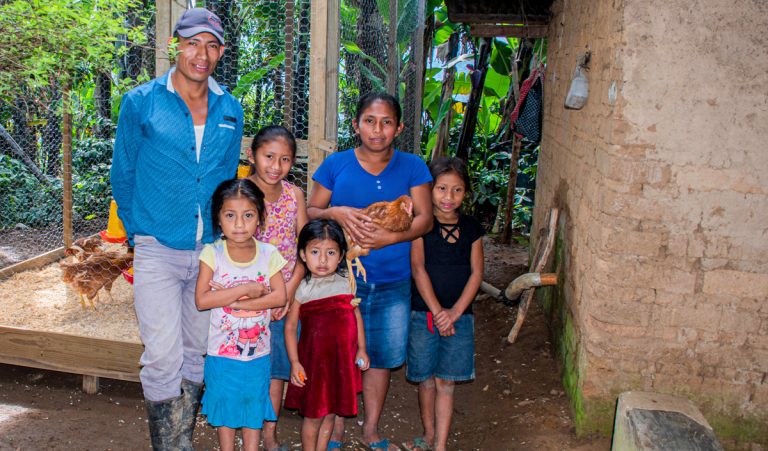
x=298, y=375
x=376, y=237
x=356, y=224
x=362, y=356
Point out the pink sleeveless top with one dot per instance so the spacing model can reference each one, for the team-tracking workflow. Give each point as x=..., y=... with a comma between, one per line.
x=279, y=227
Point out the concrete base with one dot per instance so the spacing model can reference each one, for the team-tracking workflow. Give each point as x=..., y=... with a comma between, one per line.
x=655, y=422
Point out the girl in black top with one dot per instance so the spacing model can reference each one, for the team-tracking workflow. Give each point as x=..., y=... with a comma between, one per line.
x=447, y=268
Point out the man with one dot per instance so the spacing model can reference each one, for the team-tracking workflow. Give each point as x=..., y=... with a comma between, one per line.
x=178, y=137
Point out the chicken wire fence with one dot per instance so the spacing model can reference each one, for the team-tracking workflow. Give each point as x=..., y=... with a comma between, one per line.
x=266, y=67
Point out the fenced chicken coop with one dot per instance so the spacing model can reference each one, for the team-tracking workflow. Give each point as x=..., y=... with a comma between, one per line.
x=56, y=142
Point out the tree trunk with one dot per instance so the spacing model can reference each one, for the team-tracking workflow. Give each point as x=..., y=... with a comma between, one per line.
x=370, y=29
x=50, y=142
x=449, y=77
x=414, y=87
x=103, y=98
x=473, y=104
x=22, y=156
x=22, y=133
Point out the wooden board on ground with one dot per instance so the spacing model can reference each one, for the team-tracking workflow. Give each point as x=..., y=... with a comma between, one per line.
x=42, y=325
x=70, y=353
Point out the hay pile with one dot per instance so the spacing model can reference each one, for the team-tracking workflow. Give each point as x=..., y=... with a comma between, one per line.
x=38, y=299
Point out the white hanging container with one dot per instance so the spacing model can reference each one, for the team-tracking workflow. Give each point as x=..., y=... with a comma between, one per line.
x=579, y=90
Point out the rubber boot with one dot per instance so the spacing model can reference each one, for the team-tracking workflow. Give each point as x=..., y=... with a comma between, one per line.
x=191, y=393
x=165, y=423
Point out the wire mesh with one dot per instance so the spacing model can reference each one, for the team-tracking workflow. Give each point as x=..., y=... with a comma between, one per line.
x=379, y=43
x=265, y=65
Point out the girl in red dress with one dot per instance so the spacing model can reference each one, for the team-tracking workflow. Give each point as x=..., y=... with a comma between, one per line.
x=326, y=363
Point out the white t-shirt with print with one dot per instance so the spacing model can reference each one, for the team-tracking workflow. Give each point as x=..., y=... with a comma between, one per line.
x=240, y=334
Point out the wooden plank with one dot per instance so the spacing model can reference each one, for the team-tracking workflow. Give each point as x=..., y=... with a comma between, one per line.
x=539, y=262
x=70, y=353
x=32, y=263
x=332, y=74
x=487, y=30
x=90, y=384
x=317, y=85
x=166, y=15
x=66, y=166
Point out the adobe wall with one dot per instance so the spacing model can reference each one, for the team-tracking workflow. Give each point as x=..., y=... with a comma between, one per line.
x=662, y=181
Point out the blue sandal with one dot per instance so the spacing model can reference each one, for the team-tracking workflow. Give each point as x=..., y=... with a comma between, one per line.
x=381, y=444
x=417, y=443
x=333, y=444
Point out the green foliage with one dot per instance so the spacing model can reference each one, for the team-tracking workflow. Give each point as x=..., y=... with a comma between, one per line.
x=28, y=202
x=247, y=81
x=47, y=42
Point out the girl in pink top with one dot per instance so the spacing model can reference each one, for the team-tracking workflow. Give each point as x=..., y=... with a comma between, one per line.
x=272, y=155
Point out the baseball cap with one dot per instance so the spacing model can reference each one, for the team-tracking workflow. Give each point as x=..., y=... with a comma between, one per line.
x=199, y=20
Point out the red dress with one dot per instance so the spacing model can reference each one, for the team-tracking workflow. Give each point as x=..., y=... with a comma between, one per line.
x=327, y=349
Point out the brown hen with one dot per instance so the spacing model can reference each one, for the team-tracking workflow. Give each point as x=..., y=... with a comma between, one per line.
x=97, y=271
x=83, y=248
x=395, y=216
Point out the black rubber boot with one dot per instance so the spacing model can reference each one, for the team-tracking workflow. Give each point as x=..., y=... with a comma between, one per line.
x=191, y=394
x=165, y=423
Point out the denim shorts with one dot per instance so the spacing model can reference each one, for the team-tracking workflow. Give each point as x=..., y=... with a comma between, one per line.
x=281, y=366
x=449, y=358
x=385, y=308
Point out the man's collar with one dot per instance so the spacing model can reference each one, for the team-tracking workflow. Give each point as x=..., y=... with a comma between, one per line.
x=212, y=84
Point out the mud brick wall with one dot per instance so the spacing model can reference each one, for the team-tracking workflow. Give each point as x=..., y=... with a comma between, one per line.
x=662, y=180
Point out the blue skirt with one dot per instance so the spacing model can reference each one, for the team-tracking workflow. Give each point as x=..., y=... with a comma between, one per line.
x=237, y=392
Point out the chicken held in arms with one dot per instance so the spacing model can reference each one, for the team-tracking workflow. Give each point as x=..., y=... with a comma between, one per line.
x=395, y=216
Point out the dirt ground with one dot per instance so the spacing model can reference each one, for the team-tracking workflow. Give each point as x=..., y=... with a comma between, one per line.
x=515, y=403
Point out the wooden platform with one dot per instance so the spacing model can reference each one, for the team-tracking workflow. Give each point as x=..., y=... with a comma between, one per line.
x=91, y=357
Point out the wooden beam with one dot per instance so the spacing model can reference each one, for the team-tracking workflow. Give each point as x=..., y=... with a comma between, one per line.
x=76, y=354
x=488, y=30
x=66, y=166
x=166, y=15
x=32, y=263
x=545, y=246
x=473, y=18
x=332, y=75
x=317, y=84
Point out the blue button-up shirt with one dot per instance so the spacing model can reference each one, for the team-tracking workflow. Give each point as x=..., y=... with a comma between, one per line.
x=157, y=181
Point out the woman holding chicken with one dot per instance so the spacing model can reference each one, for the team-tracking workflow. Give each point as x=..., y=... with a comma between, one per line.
x=345, y=183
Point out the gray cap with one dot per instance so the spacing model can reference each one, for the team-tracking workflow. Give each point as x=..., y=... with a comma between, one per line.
x=199, y=20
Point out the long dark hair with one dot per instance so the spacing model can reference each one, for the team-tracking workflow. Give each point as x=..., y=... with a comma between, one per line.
x=267, y=135
x=233, y=189
x=322, y=229
x=366, y=101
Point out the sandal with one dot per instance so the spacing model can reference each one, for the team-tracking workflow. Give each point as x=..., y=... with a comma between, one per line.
x=381, y=444
x=417, y=444
x=333, y=444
